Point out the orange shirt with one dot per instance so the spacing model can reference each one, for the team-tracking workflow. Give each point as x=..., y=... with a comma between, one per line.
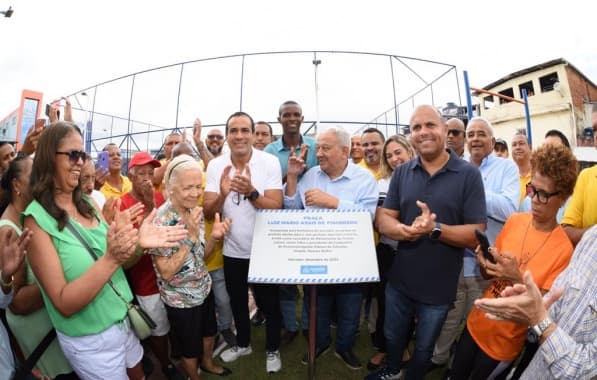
x=545, y=256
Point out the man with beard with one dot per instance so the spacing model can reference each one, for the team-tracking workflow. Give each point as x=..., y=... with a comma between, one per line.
x=372, y=144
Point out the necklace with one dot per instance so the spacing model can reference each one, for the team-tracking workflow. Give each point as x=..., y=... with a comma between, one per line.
x=524, y=260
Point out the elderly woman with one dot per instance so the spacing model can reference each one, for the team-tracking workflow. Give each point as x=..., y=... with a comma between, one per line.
x=26, y=316
x=183, y=278
x=396, y=150
x=79, y=291
x=531, y=241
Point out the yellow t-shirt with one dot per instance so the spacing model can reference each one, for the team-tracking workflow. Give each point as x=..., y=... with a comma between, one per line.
x=581, y=211
x=523, y=187
x=110, y=191
x=376, y=174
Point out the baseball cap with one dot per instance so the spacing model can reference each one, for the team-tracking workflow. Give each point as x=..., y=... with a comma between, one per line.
x=143, y=158
x=501, y=142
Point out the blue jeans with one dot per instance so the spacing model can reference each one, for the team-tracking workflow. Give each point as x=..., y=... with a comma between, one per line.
x=348, y=299
x=218, y=287
x=288, y=298
x=400, y=312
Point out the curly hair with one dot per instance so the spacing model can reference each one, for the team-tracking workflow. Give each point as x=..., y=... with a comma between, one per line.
x=557, y=163
x=386, y=169
x=43, y=173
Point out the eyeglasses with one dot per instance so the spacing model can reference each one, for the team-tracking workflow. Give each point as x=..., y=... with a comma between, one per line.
x=75, y=155
x=542, y=195
x=454, y=132
x=218, y=137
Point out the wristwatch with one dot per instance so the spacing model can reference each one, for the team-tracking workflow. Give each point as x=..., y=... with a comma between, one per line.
x=253, y=195
x=435, y=232
x=537, y=330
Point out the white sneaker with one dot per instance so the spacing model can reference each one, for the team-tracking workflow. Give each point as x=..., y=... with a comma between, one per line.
x=234, y=353
x=273, y=363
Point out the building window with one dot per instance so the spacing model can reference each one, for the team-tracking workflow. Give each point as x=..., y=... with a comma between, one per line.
x=507, y=92
x=527, y=86
x=488, y=102
x=547, y=82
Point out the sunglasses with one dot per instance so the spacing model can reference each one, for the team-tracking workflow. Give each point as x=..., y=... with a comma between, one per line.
x=454, y=132
x=75, y=155
x=218, y=137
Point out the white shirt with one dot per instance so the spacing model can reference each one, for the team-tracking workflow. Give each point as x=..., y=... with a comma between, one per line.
x=266, y=174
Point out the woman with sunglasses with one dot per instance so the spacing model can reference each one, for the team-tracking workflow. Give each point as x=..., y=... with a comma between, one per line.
x=531, y=241
x=26, y=316
x=79, y=292
x=396, y=150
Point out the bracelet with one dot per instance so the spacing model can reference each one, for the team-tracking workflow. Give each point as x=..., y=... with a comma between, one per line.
x=7, y=284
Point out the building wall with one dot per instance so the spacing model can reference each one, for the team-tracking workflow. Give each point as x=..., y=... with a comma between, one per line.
x=561, y=108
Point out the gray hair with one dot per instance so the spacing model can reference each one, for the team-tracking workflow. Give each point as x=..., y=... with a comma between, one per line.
x=484, y=121
x=342, y=136
x=178, y=165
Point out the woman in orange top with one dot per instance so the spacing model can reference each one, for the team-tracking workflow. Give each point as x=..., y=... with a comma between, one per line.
x=529, y=241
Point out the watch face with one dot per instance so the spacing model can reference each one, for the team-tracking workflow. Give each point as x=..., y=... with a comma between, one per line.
x=532, y=336
x=435, y=233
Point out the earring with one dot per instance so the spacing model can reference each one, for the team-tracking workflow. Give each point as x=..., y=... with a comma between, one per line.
x=18, y=193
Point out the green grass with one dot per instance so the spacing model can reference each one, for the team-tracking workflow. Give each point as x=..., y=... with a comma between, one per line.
x=328, y=366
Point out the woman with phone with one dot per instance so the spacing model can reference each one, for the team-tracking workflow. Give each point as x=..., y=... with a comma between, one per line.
x=531, y=241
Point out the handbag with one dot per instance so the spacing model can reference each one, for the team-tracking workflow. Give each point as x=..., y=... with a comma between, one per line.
x=141, y=322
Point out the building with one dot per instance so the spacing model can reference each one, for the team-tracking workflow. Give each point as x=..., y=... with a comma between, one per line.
x=559, y=97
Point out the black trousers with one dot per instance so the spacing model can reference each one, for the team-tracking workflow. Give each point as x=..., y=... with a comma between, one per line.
x=267, y=297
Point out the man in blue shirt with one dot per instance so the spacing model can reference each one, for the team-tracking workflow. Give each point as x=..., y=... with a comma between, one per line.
x=433, y=206
x=335, y=184
x=502, y=192
x=290, y=116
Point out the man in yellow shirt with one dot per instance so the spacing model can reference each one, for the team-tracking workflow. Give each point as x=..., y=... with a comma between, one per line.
x=372, y=141
x=116, y=184
x=521, y=154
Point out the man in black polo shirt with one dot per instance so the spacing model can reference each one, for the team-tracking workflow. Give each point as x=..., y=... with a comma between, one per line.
x=433, y=206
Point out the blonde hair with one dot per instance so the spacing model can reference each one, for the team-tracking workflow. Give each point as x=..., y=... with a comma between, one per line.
x=386, y=169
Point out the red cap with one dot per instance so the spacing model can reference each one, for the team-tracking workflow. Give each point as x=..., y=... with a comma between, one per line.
x=143, y=158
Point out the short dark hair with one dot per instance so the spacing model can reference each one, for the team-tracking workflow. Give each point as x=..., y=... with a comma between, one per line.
x=43, y=173
x=374, y=130
x=14, y=170
x=289, y=103
x=240, y=114
x=271, y=131
x=556, y=133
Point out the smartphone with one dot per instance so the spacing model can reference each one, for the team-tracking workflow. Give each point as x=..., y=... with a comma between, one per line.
x=103, y=160
x=484, y=243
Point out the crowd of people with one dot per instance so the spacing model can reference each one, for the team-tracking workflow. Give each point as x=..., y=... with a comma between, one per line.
x=79, y=242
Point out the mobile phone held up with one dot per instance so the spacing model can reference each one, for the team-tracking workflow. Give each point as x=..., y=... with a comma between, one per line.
x=103, y=160
x=484, y=243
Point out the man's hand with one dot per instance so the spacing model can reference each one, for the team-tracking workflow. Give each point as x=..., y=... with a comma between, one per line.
x=296, y=165
x=197, y=132
x=101, y=175
x=318, y=198
x=520, y=303
x=68, y=110
x=424, y=223
x=241, y=183
x=225, y=182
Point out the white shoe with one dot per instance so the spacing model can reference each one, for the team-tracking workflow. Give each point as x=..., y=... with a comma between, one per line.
x=219, y=345
x=273, y=363
x=234, y=353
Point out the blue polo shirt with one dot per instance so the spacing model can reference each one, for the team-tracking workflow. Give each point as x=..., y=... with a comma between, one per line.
x=282, y=151
x=425, y=270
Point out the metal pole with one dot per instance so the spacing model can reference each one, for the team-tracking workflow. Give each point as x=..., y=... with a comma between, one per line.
x=128, y=127
x=316, y=63
x=178, y=96
x=312, y=330
x=469, y=100
x=528, y=116
x=394, y=93
x=242, y=81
